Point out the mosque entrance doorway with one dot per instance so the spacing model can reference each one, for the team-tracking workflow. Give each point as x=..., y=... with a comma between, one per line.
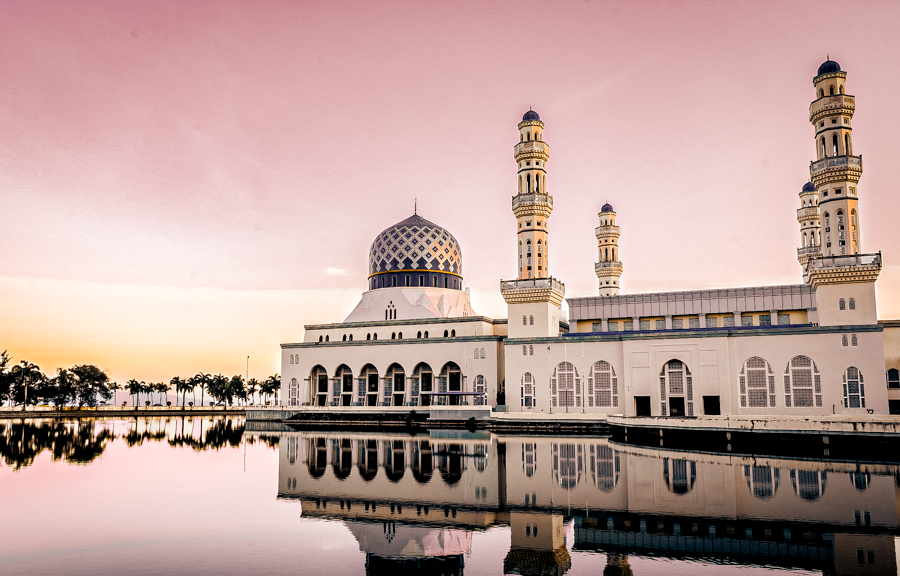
x=346, y=389
x=372, y=390
x=454, y=384
x=399, y=388
x=676, y=406
x=321, y=389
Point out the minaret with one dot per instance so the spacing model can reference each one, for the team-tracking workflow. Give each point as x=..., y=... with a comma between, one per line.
x=532, y=205
x=534, y=298
x=609, y=268
x=810, y=226
x=836, y=172
x=842, y=277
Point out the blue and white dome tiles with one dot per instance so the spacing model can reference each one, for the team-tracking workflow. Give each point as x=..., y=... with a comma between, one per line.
x=415, y=244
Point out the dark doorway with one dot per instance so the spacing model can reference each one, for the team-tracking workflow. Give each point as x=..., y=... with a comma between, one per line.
x=454, y=384
x=322, y=390
x=711, y=406
x=346, y=389
x=425, y=388
x=676, y=406
x=894, y=406
x=642, y=406
x=372, y=390
x=399, y=388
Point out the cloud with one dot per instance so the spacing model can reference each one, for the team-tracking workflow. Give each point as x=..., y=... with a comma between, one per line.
x=336, y=271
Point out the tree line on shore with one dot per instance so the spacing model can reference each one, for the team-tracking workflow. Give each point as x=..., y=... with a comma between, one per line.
x=87, y=385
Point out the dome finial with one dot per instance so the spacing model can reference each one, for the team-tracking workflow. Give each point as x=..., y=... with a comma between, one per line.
x=415, y=206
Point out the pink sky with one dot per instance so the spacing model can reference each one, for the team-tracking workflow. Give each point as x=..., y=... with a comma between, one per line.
x=188, y=183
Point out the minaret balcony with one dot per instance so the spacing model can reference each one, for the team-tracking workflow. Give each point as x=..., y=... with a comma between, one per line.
x=829, y=105
x=808, y=251
x=533, y=290
x=808, y=213
x=820, y=168
x=850, y=268
x=607, y=267
x=525, y=199
x=606, y=231
x=532, y=148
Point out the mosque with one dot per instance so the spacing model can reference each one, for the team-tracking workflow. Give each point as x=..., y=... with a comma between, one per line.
x=813, y=348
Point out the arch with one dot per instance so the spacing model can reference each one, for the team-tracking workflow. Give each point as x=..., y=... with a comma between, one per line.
x=374, y=335
x=831, y=90
x=529, y=458
x=450, y=380
x=528, y=136
x=476, y=353
x=367, y=459
x=453, y=333
x=530, y=320
x=847, y=144
x=317, y=457
x=446, y=333
x=520, y=183
x=369, y=386
x=482, y=353
x=842, y=304
x=350, y=338
x=422, y=461
x=524, y=350
x=802, y=383
x=528, y=182
x=844, y=341
x=854, y=388
x=565, y=386
x=450, y=463
x=605, y=467
x=527, y=390
x=679, y=475
x=824, y=150
x=294, y=393
x=566, y=462
x=326, y=337
x=893, y=378
x=321, y=339
x=524, y=320
x=757, y=384
x=292, y=358
x=395, y=385
x=419, y=334
x=318, y=385
x=537, y=183
x=762, y=481
x=603, y=386
x=531, y=349
x=676, y=389
x=394, y=460
x=842, y=88
x=426, y=334
x=821, y=93
x=809, y=484
x=422, y=385
x=344, y=338
x=851, y=304
x=341, y=458
x=399, y=335
x=834, y=145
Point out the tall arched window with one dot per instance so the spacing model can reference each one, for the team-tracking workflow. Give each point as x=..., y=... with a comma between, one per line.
x=531, y=350
x=476, y=353
x=605, y=467
x=537, y=183
x=893, y=378
x=603, y=386
x=294, y=393
x=524, y=350
x=528, y=182
x=842, y=88
x=853, y=340
x=757, y=382
x=292, y=358
x=524, y=320
x=676, y=389
x=762, y=480
x=802, y=383
x=679, y=475
x=565, y=386
x=854, y=389
x=852, y=304
x=528, y=391
x=531, y=320
x=529, y=459
x=480, y=389
x=847, y=144
x=842, y=304
x=824, y=150
x=482, y=353
x=821, y=93
x=844, y=342
x=567, y=463
x=809, y=484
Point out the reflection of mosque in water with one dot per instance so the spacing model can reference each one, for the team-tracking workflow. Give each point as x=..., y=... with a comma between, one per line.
x=413, y=502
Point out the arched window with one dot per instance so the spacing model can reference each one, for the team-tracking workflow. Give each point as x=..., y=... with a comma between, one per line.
x=824, y=150
x=344, y=338
x=802, y=383
x=524, y=350
x=350, y=338
x=531, y=350
x=294, y=393
x=426, y=333
x=603, y=386
x=605, y=467
x=320, y=339
x=567, y=464
x=529, y=136
x=446, y=333
x=893, y=378
x=375, y=336
x=537, y=183
x=476, y=353
x=531, y=320
x=679, y=475
x=809, y=484
x=529, y=459
x=757, y=381
x=565, y=386
x=419, y=334
x=528, y=182
x=852, y=304
x=326, y=338
x=393, y=335
x=762, y=480
x=854, y=389
x=528, y=390
x=844, y=340
x=831, y=90
x=369, y=336
x=860, y=480
x=842, y=88
x=821, y=93
x=399, y=335
x=524, y=321
x=842, y=304
x=847, y=144
x=480, y=389
x=453, y=333
x=676, y=389
x=292, y=358
x=482, y=353
x=834, y=145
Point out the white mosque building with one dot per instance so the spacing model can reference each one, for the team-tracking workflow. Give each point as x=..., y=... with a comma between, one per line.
x=815, y=348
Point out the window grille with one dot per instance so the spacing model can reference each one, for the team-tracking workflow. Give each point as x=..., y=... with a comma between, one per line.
x=852, y=303
x=765, y=319
x=844, y=340
x=628, y=326
x=802, y=384
x=678, y=324
x=757, y=384
x=529, y=460
x=565, y=386
x=479, y=389
x=893, y=378
x=746, y=320
x=612, y=326
x=853, y=340
x=728, y=321
x=603, y=386
x=528, y=390
x=645, y=324
x=784, y=319
x=842, y=304
x=524, y=350
x=854, y=389
x=694, y=322
x=675, y=380
x=530, y=350
x=712, y=322
x=661, y=324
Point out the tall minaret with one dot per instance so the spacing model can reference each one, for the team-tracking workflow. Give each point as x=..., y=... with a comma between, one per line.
x=534, y=298
x=836, y=172
x=532, y=205
x=810, y=226
x=609, y=268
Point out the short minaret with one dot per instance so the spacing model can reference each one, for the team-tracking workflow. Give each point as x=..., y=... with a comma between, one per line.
x=841, y=275
x=609, y=268
x=532, y=205
x=534, y=298
x=810, y=226
x=836, y=171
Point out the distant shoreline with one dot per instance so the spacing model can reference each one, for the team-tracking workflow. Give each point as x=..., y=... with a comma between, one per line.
x=14, y=412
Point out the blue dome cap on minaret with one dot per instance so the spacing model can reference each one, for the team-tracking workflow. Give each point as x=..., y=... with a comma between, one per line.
x=827, y=67
x=809, y=187
x=531, y=115
x=607, y=208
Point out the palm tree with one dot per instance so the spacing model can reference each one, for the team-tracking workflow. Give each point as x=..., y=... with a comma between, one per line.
x=134, y=388
x=163, y=390
x=252, y=387
x=114, y=386
x=147, y=389
x=202, y=380
x=181, y=386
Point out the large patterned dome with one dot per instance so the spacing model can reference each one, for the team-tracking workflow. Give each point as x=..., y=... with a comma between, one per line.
x=415, y=252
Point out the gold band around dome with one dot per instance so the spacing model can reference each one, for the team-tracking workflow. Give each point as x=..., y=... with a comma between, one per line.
x=414, y=270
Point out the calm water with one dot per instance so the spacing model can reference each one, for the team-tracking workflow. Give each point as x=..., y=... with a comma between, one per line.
x=206, y=496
